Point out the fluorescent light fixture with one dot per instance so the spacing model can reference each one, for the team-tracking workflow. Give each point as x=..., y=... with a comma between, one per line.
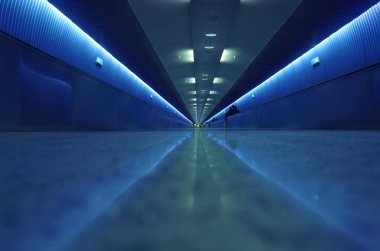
x=209, y=47
x=213, y=92
x=193, y=99
x=210, y=34
x=204, y=75
x=190, y=81
x=192, y=92
x=204, y=79
x=186, y=56
x=218, y=80
x=207, y=104
x=210, y=99
x=203, y=91
x=228, y=56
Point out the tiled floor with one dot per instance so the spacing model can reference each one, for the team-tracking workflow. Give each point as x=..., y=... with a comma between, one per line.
x=190, y=190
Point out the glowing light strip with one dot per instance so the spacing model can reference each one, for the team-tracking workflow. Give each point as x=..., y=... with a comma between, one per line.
x=249, y=94
x=109, y=57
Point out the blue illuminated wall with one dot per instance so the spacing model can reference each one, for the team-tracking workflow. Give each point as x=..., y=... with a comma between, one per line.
x=342, y=91
x=50, y=79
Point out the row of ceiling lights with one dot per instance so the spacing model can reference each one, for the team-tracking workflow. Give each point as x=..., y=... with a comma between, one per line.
x=204, y=78
x=227, y=56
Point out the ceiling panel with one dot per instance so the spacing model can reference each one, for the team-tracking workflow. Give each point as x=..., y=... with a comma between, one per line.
x=209, y=41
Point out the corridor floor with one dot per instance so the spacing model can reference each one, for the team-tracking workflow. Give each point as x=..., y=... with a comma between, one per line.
x=190, y=190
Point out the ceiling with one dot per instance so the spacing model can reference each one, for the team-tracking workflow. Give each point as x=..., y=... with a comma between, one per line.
x=206, y=45
x=165, y=43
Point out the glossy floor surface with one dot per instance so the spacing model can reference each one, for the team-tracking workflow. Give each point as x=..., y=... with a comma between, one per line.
x=190, y=190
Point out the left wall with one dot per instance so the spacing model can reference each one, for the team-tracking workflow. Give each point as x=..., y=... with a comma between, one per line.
x=50, y=79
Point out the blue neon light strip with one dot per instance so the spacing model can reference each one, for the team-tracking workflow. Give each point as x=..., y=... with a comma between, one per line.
x=40, y=24
x=353, y=47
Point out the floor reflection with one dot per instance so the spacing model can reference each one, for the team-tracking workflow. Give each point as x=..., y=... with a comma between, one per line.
x=54, y=184
x=334, y=173
x=202, y=197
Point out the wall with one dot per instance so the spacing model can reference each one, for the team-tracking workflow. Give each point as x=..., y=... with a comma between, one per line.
x=342, y=91
x=50, y=79
x=38, y=92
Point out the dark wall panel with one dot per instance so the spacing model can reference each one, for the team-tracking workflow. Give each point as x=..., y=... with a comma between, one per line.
x=350, y=102
x=9, y=84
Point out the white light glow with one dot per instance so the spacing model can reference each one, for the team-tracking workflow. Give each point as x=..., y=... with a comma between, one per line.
x=192, y=92
x=190, y=81
x=209, y=47
x=213, y=92
x=210, y=34
x=228, y=56
x=186, y=56
x=218, y=80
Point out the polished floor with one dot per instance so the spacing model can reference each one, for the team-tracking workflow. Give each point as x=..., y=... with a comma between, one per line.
x=190, y=190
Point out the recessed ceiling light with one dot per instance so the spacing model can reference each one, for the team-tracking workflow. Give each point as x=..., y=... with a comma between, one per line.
x=209, y=47
x=218, y=81
x=190, y=80
x=213, y=92
x=204, y=79
x=210, y=34
x=228, y=56
x=204, y=75
x=186, y=55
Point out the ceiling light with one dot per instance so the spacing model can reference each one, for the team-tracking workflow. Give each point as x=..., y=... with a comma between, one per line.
x=213, y=92
x=210, y=34
x=192, y=92
x=209, y=47
x=218, y=80
x=204, y=75
x=210, y=99
x=193, y=99
x=186, y=55
x=204, y=79
x=190, y=80
x=228, y=56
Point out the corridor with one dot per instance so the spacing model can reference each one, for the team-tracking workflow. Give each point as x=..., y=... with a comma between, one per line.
x=189, y=125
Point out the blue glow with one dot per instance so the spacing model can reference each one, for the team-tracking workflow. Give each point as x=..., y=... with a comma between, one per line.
x=146, y=86
x=43, y=26
x=272, y=83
